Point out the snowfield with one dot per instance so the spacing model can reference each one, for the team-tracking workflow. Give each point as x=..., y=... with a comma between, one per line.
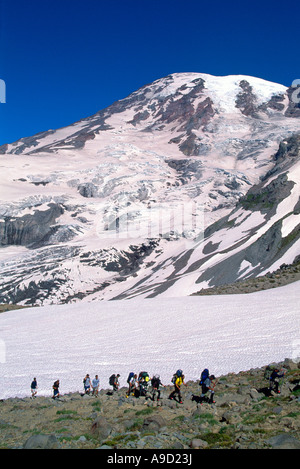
x=229, y=333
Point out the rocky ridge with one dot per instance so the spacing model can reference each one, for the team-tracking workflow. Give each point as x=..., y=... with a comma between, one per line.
x=284, y=275
x=244, y=416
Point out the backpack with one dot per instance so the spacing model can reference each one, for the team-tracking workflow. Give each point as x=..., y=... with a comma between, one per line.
x=204, y=376
x=130, y=376
x=155, y=382
x=112, y=380
x=144, y=378
x=176, y=375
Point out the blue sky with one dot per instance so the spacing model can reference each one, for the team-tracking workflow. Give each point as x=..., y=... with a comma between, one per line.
x=63, y=60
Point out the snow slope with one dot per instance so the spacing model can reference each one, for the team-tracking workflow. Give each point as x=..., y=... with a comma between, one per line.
x=224, y=333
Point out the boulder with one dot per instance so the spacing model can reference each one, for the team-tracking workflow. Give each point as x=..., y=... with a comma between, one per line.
x=101, y=427
x=283, y=441
x=154, y=423
x=197, y=443
x=291, y=364
x=231, y=418
x=42, y=442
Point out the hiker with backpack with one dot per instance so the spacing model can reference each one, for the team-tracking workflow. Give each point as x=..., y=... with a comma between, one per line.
x=55, y=388
x=177, y=380
x=275, y=377
x=204, y=376
x=143, y=382
x=87, y=384
x=156, y=383
x=208, y=386
x=276, y=380
x=114, y=382
x=132, y=383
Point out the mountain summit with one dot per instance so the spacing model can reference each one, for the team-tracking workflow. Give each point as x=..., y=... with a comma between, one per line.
x=190, y=182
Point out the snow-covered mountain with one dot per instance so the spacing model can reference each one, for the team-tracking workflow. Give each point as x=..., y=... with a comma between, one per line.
x=191, y=181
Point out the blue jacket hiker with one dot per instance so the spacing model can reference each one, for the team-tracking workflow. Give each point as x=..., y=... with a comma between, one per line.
x=34, y=388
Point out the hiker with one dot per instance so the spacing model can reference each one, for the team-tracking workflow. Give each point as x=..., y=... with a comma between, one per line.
x=274, y=376
x=204, y=376
x=55, y=388
x=87, y=384
x=208, y=386
x=33, y=388
x=114, y=382
x=156, y=383
x=143, y=382
x=95, y=386
x=177, y=380
x=275, y=380
x=132, y=382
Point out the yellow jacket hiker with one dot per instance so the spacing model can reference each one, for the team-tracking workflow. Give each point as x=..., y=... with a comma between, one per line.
x=178, y=380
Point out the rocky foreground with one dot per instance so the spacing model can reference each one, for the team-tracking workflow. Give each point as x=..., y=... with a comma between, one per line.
x=244, y=416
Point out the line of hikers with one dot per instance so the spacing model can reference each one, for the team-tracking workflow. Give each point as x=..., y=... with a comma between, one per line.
x=138, y=384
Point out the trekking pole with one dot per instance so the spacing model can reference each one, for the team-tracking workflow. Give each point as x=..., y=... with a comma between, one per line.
x=216, y=382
